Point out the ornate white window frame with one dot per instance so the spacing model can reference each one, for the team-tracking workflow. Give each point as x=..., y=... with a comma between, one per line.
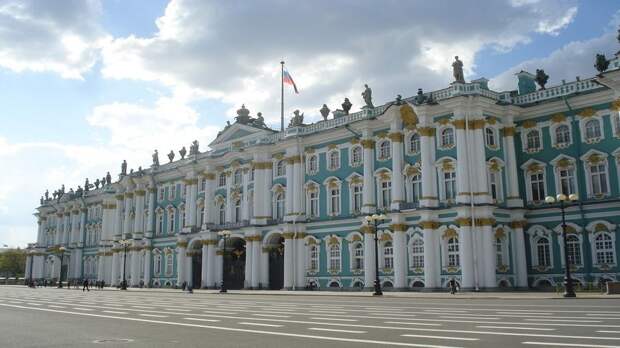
x=358, y=163
x=355, y=180
x=310, y=168
x=279, y=168
x=312, y=187
x=573, y=230
x=524, y=140
x=614, y=118
x=354, y=240
x=383, y=150
x=383, y=175
x=583, y=121
x=330, y=161
x=410, y=172
x=535, y=233
x=529, y=168
x=415, y=237
x=445, y=165
x=333, y=243
x=494, y=133
x=495, y=168
x=410, y=150
x=333, y=183
x=447, y=232
x=553, y=128
x=311, y=242
x=278, y=190
x=595, y=229
x=592, y=158
x=564, y=162
x=502, y=233
x=440, y=134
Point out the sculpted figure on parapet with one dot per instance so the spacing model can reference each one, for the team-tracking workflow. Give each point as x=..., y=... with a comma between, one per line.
x=457, y=70
x=367, y=95
x=155, y=158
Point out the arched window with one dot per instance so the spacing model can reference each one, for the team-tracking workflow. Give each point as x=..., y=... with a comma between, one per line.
x=169, y=264
x=414, y=143
x=447, y=137
x=533, y=140
x=562, y=135
x=160, y=224
x=334, y=200
x=414, y=188
x=313, y=203
x=279, y=206
x=490, y=137
x=453, y=252
x=388, y=255
x=280, y=168
x=171, y=221
x=593, y=129
x=543, y=251
x=356, y=155
x=356, y=198
x=221, y=213
x=313, y=165
x=334, y=160
x=598, y=179
x=385, y=193
x=238, y=177
x=567, y=180
x=537, y=184
x=222, y=180
x=384, y=150
x=499, y=251
x=238, y=210
x=417, y=253
x=252, y=173
x=358, y=256
x=604, y=249
x=573, y=246
x=334, y=257
x=314, y=258
x=183, y=214
x=449, y=182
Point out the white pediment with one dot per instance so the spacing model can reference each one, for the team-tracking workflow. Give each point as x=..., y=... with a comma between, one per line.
x=237, y=132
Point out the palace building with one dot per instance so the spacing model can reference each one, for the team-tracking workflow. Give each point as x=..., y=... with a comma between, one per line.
x=460, y=173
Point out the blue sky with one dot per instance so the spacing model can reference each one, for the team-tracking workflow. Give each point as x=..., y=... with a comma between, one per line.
x=86, y=84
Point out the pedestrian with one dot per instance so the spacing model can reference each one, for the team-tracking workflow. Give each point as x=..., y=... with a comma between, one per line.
x=183, y=286
x=452, y=286
x=85, y=285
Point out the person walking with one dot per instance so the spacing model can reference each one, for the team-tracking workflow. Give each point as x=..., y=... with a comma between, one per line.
x=452, y=286
x=85, y=285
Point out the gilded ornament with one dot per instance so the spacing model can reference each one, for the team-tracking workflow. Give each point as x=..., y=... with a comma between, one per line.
x=564, y=163
x=399, y=227
x=354, y=141
x=529, y=124
x=450, y=233
x=509, y=131
x=396, y=137
x=600, y=227
x=382, y=134
x=426, y=131
x=408, y=115
x=500, y=233
x=587, y=112
x=368, y=143
x=558, y=118
x=615, y=105
x=459, y=124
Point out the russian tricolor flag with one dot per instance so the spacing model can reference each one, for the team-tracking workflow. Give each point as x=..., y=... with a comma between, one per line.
x=286, y=78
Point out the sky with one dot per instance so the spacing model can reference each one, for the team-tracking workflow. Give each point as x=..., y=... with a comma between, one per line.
x=86, y=84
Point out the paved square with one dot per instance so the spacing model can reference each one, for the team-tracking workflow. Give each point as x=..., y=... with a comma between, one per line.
x=48, y=317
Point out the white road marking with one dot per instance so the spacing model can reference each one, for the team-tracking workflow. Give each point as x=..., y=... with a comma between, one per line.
x=411, y=323
x=271, y=315
x=83, y=309
x=153, y=315
x=259, y=324
x=563, y=320
x=547, y=344
x=515, y=334
x=469, y=317
x=335, y=330
x=177, y=309
x=113, y=312
x=54, y=306
x=443, y=337
x=337, y=319
x=327, y=338
x=202, y=319
x=33, y=304
x=606, y=331
x=529, y=313
x=513, y=328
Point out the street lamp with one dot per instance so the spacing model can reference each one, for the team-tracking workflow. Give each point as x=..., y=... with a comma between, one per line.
x=224, y=234
x=62, y=255
x=376, y=219
x=562, y=199
x=125, y=244
x=30, y=271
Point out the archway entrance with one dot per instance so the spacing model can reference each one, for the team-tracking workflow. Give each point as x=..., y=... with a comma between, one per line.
x=196, y=259
x=234, y=263
x=276, y=263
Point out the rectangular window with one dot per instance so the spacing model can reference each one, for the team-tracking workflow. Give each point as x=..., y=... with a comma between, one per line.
x=386, y=194
x=538, y=187
x=598, y=178
x=314, y=204
x=567, y=181
x=450, y=185
x=357, y=198
x=335, y=201
x=416, y=188
x=493, y=182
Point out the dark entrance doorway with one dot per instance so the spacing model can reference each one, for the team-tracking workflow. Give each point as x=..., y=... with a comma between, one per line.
x=276, y=265
x=196, y=269
x=234, y=264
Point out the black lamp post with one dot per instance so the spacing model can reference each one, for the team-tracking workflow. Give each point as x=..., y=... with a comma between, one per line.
x=30, y=271
x=62, y=255
x=224, y=234
x=125, y=244
x=375, y=219
x=568, y=280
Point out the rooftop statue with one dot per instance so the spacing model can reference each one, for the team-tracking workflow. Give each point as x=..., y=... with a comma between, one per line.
x=346, y=106
x=183, y=152
x=601, y=64
x=171, y=156
x=97, y=182
x=155, y=158
x=140, y=171
x=420, y=97
x=367, y=95
x=541, y=78
x=62, y=188
x=47, y=194
x=324, y=112
x=297, y=120
x=259, y=122
x=243, y=115
x=79, y=192
x=399, y=100
x=86, y=185
x=108, y=178
x=102, y=181
x=457, y=70
x=193, y=149
x=41, y=200
x=124, y=168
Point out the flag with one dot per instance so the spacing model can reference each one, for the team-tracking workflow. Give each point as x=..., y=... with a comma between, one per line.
x=286, y=78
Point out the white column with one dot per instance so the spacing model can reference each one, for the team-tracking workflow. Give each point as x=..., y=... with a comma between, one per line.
x=429, y=179
x=490, y=259
x=100, y=266
x=150, y=224
x=245, y=204
x=58, y=236
x=190, y=203
x=82, y=229
x=466, y=257
x=259, y=192
x=118, y=226
x=264, y=267
x=510, y=158
x=290, y=188
x=398, y=179
x=135, y=266
x=288, y=260
x=211, y=265
x=40, y=223
x=138, y=227
x=519, y=249
x=300, y=262
x=431, y=255
x=68, y=226
x=478, y=160
x=180, y=263
x=75, y=226
x=210, y=212
x=298, y=202
x=127, y=222
x=368, y=191
x=76, y=259
x=256, y=260
x=369, y=258
x=218, y=267
x=266, y=194
x=147, y=266
x=115, y=268
x=28, y=266
x=204, y=270
x=464, y=157
x=247, y=282
x=400, y=257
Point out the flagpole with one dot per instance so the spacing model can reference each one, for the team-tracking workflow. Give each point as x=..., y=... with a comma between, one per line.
x=282, y=96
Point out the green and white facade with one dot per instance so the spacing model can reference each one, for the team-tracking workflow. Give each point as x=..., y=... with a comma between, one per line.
x=461, y=173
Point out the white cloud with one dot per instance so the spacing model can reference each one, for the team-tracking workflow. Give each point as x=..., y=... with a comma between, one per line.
x=63, y=37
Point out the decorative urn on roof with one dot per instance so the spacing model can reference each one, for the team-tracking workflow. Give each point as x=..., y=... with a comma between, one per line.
x=243, y=115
